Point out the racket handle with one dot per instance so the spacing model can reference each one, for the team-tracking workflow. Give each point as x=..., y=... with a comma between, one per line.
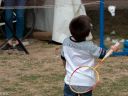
x=110, y=51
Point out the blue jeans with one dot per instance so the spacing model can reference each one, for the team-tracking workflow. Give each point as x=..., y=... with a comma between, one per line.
x=19, y=18
x=68, y=92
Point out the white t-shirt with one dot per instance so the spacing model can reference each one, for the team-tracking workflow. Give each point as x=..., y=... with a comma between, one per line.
x=78, y=54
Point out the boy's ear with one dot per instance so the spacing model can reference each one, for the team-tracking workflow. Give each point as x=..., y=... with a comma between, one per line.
x=90, y=37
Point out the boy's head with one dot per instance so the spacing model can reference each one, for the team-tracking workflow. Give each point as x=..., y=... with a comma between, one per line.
x=80, y=27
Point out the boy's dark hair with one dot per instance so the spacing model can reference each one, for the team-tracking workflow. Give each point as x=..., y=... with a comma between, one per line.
x=80, y=27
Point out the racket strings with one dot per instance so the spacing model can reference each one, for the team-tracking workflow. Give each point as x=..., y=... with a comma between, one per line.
x=84, y=79
x=81, y=89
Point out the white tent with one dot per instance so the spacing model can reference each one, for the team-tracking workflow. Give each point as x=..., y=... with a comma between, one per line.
x=62, y=17
x=56, y=20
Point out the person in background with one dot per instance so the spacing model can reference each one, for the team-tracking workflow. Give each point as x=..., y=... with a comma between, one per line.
x=8, y=16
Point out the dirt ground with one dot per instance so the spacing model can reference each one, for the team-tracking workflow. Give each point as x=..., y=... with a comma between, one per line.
x=41, y=73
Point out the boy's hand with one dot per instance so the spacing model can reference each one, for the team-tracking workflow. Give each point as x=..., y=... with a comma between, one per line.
x=115, y=47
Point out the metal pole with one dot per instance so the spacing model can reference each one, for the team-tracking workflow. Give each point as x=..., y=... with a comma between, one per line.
x=102, y=23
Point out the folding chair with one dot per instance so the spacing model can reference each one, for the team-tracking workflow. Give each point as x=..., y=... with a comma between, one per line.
x=13, y=33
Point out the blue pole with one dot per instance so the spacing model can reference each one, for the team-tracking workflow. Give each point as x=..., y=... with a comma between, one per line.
x=102, y=23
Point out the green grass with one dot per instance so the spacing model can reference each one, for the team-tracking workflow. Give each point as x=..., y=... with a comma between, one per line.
x=30, y=78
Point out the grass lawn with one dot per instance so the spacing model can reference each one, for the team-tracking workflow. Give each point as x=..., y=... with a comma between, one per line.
x=41, y=73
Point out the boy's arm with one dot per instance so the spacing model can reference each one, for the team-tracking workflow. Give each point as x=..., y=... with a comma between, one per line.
x=63, y=60
x=63, y=57
x=113, y=48
x=102, y=53
x=97, y=51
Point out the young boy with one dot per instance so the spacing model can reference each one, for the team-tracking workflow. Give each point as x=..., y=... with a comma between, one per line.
x=77, y=51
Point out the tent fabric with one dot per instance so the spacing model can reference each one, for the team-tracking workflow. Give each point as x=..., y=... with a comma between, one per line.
x=44, y=19
x=62, y=17
x=56, y=19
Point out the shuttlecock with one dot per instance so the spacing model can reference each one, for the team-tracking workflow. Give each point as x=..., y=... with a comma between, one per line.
x=112, y=9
